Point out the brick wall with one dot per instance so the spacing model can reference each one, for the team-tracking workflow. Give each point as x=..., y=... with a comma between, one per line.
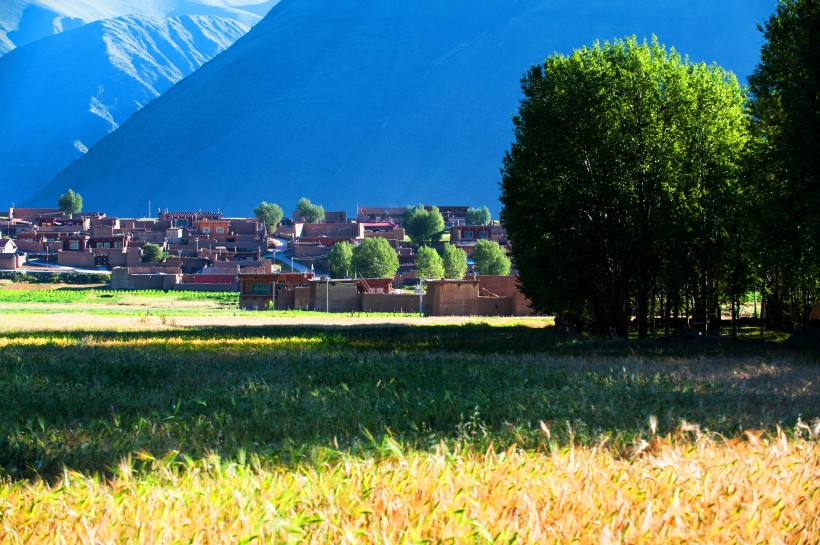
x=495, y=306
x=384, y=302
x=75, y=259
x=451, y=298
x=342, y=296
x=205, y=287
x=122, y=279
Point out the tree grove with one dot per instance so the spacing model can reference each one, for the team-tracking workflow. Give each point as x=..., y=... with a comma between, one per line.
x=622, y=182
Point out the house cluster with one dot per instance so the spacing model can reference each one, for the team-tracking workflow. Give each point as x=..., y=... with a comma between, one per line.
x=311, y=242
x=204, y=250
x=477, y=296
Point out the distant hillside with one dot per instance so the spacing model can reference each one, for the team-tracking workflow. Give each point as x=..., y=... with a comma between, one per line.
x=61, y=94
x=379, y=102
x=25, y=21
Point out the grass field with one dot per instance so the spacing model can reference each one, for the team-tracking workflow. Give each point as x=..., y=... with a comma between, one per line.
x=346, y=430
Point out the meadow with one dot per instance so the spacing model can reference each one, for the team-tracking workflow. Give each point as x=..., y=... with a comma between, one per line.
x=400, y=430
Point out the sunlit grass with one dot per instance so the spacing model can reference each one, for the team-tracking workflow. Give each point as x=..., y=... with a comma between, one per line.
x=483, y=432
x=758, y=491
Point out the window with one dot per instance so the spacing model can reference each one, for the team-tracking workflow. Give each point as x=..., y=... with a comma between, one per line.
x=467, y=235
x=483, y=235
x=220, y=230
x=206, y=230
x=105, y=245
x=260, y=289
x=74, y=245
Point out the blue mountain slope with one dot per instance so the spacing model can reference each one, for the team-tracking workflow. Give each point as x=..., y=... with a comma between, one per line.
x=61, y=94
x=376, y=102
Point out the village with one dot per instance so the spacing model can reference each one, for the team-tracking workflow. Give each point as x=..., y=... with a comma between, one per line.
x=286, y=269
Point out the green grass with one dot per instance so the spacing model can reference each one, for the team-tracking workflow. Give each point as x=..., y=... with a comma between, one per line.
x=87, y=399
x=111, y=297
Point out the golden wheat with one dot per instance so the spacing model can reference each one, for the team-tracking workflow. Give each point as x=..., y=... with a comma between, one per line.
x=707, y=491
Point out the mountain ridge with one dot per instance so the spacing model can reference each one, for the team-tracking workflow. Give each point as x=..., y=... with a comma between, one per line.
x=63, y=93
x=374, y=102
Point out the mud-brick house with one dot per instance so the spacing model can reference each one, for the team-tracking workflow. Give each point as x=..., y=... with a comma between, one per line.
x=378, y=214
x=470, y=298
x=9, y=256
x=29, y=214
x=145, y=278
x=316, y=239
x=389, y=230
x=453, y=215
x=213, y=226
x=465, y=236
x=281, y=291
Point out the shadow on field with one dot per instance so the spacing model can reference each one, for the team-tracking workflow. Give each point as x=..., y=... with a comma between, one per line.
x=87, y=399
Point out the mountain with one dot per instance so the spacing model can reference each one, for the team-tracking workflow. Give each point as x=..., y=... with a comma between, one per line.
x=380, y=102
x=25, y=21
x=61, y=94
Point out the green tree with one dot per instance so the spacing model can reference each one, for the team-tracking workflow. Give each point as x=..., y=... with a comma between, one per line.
x=375, y=258
x=268, y=214
x=339, y=259
x=313, y=213
x=479, y=216
x=490, y=258
x=785, y=163
x=152, y=253
x=455, y=262
x=429, y=264
x=70, y=203
x=424, y=227
x=617, y=189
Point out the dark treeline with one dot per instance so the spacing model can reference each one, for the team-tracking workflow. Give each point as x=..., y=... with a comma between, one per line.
x=643, y=186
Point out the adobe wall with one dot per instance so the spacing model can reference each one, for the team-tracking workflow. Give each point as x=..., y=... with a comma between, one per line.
x=500, y=285
x=206, y=287
x=495, y=306
x=75, y=259
x=507, y=286
x=119, y=259
x=251, y=302
x=522, y=306
x=11, y=261
x=342, y=297
x=452, y=299
x=30, y=246
x=305, y=250
x=301, y=298
x=384, y=302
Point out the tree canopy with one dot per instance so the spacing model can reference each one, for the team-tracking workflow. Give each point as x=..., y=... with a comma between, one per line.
x=621, y=188
x=784, y=167
x=479, y=216
x=429, y=264
x=268, y=214
x=454, y=260
x=339, y=259
x=490, y=258
x=152, y=253
x=313, y=213
x=70, y=202
x=424, y=227
x=375, y=258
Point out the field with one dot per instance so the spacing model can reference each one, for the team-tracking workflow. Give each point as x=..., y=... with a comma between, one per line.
x=225, y=427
